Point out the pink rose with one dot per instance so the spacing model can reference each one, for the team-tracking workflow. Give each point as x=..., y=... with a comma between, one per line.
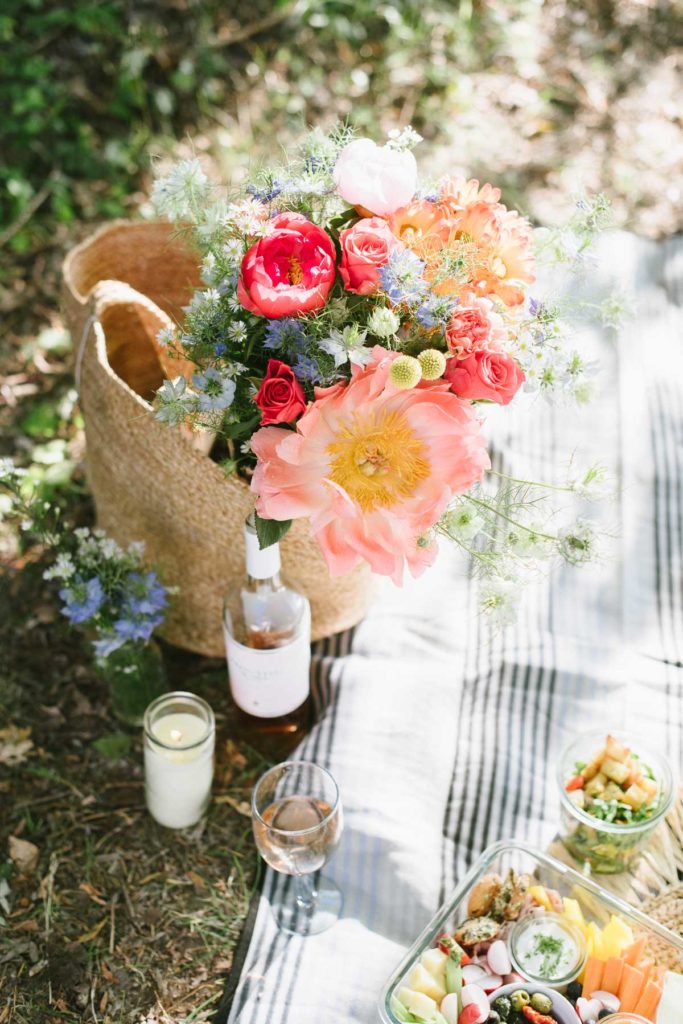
x=474, y=325
x=365, y=248
x=491, y=375
x=289, y=271
x=377, y=178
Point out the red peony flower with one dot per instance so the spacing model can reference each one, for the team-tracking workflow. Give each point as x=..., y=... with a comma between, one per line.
x=280, y=398
x=288, y=271
x=491, y=375
x=365, y=248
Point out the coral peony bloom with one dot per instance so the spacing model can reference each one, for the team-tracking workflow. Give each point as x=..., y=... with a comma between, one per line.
x=485, y=375
x=457, y=194
x=378, y=179
x=280, y=398
x=365, y=248
x=289, y=271
x=372, y=467
x=474, y=325
x=422, y=227
x=498, y=251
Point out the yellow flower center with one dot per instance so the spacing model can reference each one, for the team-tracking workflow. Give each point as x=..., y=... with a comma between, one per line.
x=378, y=460
x=294, y=272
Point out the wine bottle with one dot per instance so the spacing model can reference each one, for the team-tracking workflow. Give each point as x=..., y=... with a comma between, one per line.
x=268, y=647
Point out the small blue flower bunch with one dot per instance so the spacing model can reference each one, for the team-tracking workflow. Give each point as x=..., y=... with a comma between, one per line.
x=107, y=589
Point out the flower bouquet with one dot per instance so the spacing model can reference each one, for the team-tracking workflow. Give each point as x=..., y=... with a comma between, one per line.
x=354, y=327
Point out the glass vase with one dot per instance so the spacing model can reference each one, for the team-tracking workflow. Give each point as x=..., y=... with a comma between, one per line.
x=136, y=676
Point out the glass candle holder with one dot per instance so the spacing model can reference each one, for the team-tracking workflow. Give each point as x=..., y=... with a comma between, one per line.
x=604, y=846
x=179, y=734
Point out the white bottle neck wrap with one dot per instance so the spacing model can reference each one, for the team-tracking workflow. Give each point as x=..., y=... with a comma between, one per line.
x=261, y=563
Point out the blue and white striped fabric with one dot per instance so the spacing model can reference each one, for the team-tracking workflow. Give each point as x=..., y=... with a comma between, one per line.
x=442, y=735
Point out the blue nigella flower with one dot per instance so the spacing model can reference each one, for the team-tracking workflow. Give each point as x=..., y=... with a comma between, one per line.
x=82, y=600
x=435, y=310
x=215, y=391
x=306, y=369
x=220, y=348
x=402, y=278
x=265, y=195
x=286, y=334
x=148, y=595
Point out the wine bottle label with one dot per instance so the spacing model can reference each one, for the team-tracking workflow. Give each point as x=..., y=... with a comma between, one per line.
x=270, y=683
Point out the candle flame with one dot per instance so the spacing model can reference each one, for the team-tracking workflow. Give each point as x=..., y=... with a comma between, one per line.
x=176, y=735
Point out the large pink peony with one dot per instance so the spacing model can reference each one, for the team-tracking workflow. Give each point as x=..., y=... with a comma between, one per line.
x=372, y=467
x=375, y=179
x=289, y=271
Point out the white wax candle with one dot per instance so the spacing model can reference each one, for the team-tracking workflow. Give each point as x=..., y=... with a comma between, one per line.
x=178, y=781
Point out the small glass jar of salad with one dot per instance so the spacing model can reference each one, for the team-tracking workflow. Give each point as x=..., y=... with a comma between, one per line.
x=547, y=949
x=613, y=793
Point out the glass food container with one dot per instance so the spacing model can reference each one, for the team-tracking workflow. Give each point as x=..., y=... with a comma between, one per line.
x=603, y=846
x=595, y=903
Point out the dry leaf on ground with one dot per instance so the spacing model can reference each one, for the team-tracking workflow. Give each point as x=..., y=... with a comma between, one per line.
x=23, y=854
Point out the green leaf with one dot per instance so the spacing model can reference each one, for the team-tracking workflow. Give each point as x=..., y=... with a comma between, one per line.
x=41, y=421
x=270, y=531
x=114, y=746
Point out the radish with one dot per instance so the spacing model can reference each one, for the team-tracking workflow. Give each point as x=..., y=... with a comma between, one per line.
x=472, y=973
x=449, y=1008
x=473, y=995
x=490, y=982
x=470, y=1015
x=512, y=978
x=498, y=958
x=609, y=1001
x=588, y=1009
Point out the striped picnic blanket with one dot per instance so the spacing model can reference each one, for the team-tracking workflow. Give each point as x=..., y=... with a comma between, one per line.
x=443, y=734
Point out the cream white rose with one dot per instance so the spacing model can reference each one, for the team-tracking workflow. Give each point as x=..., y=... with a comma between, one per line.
x=378, y=178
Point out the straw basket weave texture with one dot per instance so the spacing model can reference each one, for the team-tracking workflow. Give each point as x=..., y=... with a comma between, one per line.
x=154, y=483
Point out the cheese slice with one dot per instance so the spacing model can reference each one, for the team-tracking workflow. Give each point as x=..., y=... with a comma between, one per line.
x=670, y=1010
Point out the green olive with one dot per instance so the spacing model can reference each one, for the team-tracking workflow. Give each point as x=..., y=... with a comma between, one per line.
x=543, y=1004
x=520, y=999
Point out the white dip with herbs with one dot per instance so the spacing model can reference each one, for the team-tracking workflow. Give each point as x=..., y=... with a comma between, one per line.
x=544, y=949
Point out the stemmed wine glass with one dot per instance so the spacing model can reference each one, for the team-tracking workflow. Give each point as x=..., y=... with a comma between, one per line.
x=297, y=820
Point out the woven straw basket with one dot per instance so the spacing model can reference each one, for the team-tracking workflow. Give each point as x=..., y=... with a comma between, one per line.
x=156, y=484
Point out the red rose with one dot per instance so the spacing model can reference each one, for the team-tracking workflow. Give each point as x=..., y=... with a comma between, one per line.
x=280, y=398
x=365, y=248
x=492, y=375
x=288, y=271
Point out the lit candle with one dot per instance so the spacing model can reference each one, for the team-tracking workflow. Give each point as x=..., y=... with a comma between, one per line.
x=179, y=742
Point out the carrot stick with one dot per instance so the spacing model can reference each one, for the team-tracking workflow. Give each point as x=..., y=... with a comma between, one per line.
x=611, y=978
x=648, y=968
x=632, y=984
x=592, y=978
x=649, y=1000
x=634, y=954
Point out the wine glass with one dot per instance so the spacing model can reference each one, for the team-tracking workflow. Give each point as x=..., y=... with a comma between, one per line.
x=297, y=820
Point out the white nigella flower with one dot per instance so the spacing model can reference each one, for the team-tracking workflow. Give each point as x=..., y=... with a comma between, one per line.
x=347, y=346
x=234, y=304
x=215, y=390
x=137, y=548
x=233, y=250
x=82, y=533
x=173, y=401
x=166, y=336
x=238, y=331
x=247, y=216
x=63, y=568
x=383, y=322
x=110, y=548
x=246, y=448
x=577, y=542
x=463, y=524
x=209, y=268
x=593, y=485
x=500, y=600
x=181, y=193
x=403, y=138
